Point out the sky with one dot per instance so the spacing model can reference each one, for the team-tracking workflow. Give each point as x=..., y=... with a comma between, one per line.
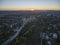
x=29, y=4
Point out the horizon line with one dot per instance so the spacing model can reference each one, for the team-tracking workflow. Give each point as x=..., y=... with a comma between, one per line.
x=18, y=10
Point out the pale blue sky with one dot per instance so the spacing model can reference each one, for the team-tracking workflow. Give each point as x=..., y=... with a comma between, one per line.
x=29, y=4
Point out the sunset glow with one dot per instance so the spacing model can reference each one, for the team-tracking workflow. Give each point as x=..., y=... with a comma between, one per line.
x=29, y=5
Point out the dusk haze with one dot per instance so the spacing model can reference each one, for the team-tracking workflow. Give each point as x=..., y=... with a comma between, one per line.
x=29, y=22
x=29, y=4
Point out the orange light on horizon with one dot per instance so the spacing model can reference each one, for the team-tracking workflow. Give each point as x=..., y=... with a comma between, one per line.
x=30, y=9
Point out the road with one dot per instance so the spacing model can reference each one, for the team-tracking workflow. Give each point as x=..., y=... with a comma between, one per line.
x=16, y=34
